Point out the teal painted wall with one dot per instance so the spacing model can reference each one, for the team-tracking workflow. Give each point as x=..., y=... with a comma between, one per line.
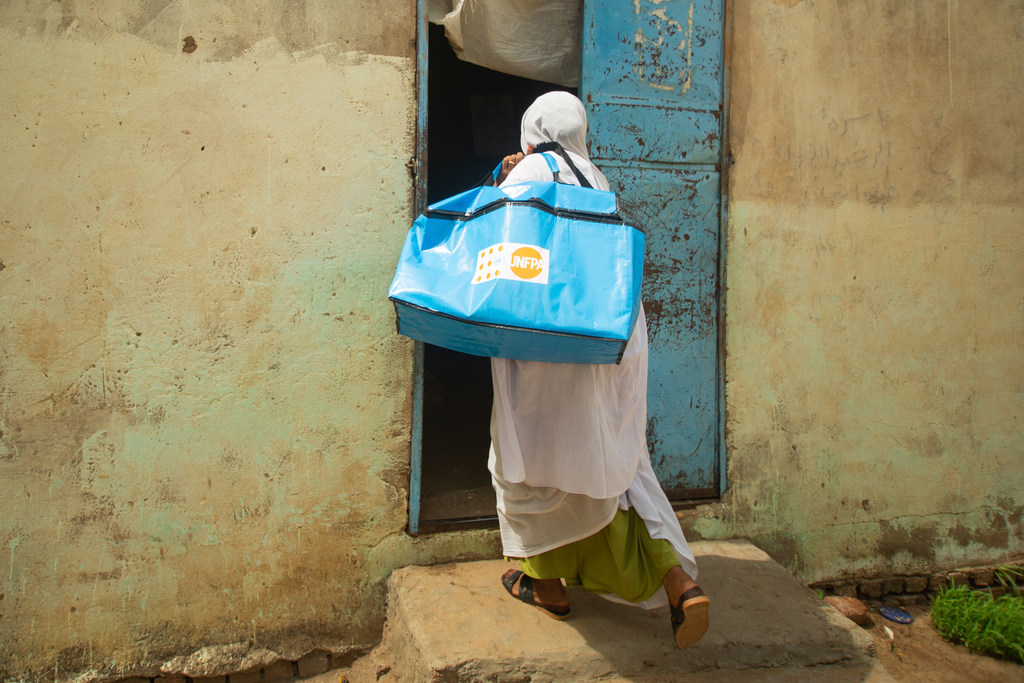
x=204, y=408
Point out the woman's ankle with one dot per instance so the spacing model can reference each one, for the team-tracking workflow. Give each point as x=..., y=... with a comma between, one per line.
x=550, y=592
x=676, y=583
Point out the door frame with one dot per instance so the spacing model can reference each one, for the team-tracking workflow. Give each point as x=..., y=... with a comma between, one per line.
x=418, y=166
x=725, y=163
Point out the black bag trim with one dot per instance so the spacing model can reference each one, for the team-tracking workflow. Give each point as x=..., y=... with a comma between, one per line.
x=572, y=214
x=498, y=326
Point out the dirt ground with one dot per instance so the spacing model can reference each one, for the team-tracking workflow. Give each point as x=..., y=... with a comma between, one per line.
x=921, y=654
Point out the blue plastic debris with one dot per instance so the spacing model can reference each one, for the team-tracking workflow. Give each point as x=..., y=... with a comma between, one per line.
x=897, y=614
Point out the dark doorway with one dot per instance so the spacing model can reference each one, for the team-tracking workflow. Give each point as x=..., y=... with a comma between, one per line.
x=473, y=118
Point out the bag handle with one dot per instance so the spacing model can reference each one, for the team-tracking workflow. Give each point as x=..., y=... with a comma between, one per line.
x=557, y=148
x=552, y=165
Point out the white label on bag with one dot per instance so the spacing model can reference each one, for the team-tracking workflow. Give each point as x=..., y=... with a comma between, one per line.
x=512, y=261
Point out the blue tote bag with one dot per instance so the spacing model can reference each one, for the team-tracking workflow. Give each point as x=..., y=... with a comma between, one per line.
x=535, y=271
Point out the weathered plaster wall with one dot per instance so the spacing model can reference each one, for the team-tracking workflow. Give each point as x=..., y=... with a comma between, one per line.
x=204, y=408
x=875, y=289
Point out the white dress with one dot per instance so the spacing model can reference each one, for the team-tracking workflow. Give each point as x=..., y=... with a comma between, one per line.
x=568, y=441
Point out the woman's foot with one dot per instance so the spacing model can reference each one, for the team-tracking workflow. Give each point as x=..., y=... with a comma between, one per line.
x=547, y=595
x=689, y=607
x=676, y=583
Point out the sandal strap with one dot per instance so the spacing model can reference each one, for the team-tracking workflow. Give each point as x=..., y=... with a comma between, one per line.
x=509, y=579
x=678, y=616
x=526, y=589
x=694, y=592
x=526, y=593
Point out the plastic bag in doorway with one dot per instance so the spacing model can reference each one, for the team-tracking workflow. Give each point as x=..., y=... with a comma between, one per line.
x=537, y=39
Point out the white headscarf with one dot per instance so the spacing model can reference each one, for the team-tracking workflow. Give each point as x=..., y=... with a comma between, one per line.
x=556, y=117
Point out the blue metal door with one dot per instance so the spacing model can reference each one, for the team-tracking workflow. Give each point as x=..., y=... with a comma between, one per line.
x=652, y=84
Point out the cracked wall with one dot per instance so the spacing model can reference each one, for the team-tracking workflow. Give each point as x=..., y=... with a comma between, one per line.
x=875, y=298
x=204, y=407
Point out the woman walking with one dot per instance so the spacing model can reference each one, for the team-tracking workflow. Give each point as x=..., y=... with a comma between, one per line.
x=577, y=497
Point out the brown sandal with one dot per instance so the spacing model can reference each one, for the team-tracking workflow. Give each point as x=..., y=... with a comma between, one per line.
x=690, y=617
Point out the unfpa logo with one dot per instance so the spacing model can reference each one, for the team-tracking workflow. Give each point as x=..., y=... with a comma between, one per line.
x=511, y=261
x=527, y=263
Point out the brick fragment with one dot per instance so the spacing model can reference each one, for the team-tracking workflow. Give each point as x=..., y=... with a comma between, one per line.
x=937, y=582
x=246, y=677
x=892, y=585
x=855, y=610
x=211, y=679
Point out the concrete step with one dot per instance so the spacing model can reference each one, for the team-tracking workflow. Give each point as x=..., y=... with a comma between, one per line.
x=455, y=622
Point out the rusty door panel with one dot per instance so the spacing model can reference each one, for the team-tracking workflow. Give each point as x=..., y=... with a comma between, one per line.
x=677, y=209
x=631, y=132
x=656, y=51
x=652, y=83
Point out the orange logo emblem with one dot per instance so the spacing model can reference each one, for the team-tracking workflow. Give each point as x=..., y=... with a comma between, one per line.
x=527, y=263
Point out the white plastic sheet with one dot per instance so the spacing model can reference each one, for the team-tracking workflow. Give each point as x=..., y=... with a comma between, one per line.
x=537, y=39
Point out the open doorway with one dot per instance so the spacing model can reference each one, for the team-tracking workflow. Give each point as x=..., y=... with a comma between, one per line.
x=473, y=116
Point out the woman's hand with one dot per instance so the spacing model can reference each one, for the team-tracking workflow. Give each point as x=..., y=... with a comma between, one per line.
x=507, y=164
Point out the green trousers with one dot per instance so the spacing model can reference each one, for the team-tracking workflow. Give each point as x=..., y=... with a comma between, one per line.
x=621, y=559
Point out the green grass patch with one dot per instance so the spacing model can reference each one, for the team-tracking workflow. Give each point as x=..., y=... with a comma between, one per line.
x=984, y=624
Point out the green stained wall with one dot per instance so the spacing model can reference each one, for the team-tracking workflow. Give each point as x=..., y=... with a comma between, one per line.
x=204, y=408
x=875, y=296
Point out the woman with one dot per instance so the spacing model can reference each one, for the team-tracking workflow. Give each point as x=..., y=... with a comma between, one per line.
x=577, y=497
